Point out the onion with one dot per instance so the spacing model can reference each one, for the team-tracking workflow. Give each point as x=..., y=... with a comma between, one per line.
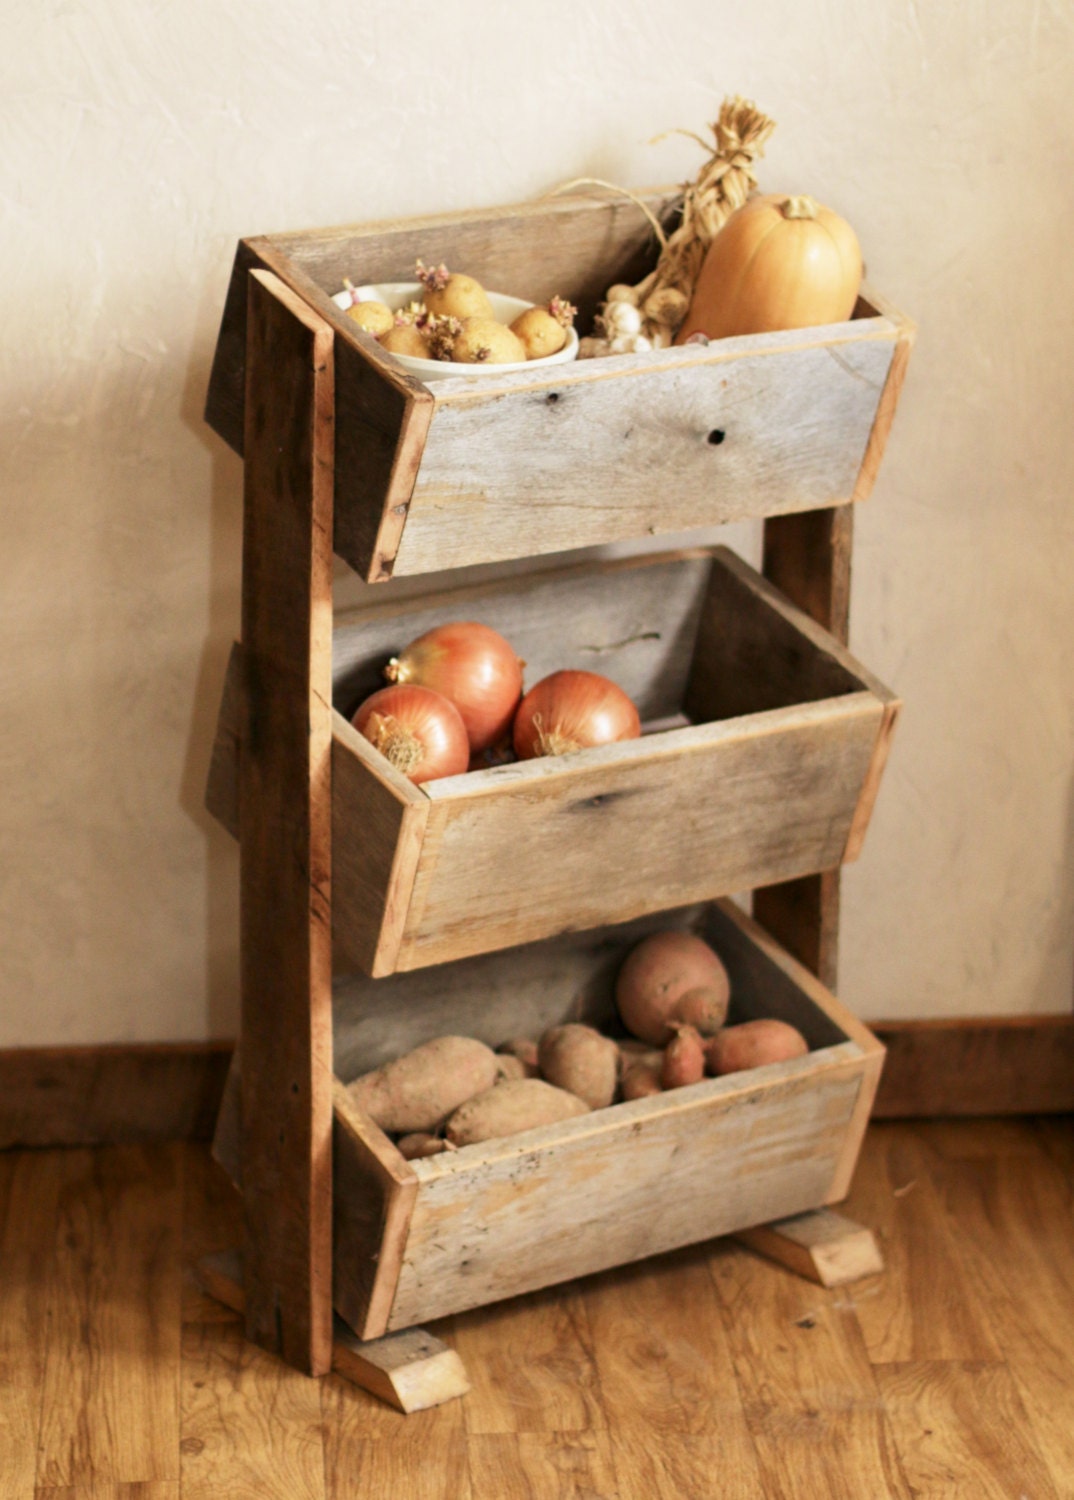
x=573, y=711
x=473, y=666
x=419, y=732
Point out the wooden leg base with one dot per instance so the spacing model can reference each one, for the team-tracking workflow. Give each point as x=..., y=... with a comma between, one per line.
x=822, y=1246
x=411, y=1370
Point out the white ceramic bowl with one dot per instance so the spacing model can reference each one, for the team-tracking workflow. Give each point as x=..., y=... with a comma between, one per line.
x=396, y=294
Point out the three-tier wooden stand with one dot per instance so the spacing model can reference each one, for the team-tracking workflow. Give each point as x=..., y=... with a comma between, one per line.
x=770, y=741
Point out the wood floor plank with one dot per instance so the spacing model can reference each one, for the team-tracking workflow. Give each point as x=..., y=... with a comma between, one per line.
x=212, y=1221
x=405, y=1467
x=961, y=1429
x=667, y=1381
x=110, y=1401
x=808, y=1389
x=163, y=1489
x=1014, y=1222
x=542, y=1466
x=925, y=1306
x=30, y=1185
x=531, y=1364
x=251, y=1425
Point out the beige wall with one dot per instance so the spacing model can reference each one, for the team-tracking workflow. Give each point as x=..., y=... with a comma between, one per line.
x=139, y=141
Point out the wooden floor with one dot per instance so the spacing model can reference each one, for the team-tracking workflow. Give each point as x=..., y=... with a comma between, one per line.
x=707, y=1373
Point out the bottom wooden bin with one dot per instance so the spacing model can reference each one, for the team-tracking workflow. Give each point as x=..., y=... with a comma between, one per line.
x=418, y=1240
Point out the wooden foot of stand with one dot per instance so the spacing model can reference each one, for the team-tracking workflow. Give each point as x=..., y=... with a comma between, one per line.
x=822, y=1246
x=411, y=1370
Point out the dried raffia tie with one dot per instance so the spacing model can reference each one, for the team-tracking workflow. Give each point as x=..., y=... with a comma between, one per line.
x=649, y=314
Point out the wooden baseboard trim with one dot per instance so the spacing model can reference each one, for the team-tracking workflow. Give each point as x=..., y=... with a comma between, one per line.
x=1016, y=1065
x=82, y=1096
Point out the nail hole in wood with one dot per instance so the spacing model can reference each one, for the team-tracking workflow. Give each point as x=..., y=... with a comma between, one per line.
x=716, y=436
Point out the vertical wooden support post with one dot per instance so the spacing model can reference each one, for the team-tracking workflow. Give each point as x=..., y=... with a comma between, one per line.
x=285, y=827
x=807, y=555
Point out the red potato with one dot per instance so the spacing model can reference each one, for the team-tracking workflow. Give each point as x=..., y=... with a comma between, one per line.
x=420, y=1089
x=510, y=1107
x=641, y=1080
x=684, y=1059
x=751, y=1044
x=662, y=973
x=577, y=1058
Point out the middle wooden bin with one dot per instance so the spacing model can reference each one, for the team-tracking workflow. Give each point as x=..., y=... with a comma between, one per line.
x=762, y=748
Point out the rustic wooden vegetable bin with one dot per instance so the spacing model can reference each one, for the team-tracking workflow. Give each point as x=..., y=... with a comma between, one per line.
x=757, y=426
x=508, y=895
x=770, y=774
x=418, y=1240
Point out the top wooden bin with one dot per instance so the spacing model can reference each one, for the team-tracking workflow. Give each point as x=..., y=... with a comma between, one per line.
x=483, y=468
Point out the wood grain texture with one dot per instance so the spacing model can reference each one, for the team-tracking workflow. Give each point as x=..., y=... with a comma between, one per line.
x=80, y=1096
x=679, y=816
x=251, y=1424
x=109, y=1397
x=808, y=558
x=927, y=1306
x=30, y=1188
x=411, y=1371
x=784, y=1379
x=532, y=1365
x=378, y=826
x=977, y=1066
x=1011, y=1212
x=793, y=413
x=421, y=483
x=285, y=825
x=821, y=1245
x=622, y=1184
x=889, y=399
x=374, y=1192
x=962, y=1429
x=543, y=1466
x=670, y=1394
x=704, y=1371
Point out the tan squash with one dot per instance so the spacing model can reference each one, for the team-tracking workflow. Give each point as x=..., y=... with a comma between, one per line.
x=779, y=262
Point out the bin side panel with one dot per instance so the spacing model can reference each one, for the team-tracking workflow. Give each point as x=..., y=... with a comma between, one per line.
x=605, y=459
x=714, y=813
x=524, y=1219
x=378, y=820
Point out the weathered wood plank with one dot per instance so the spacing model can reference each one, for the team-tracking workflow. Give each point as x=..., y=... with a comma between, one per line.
x=285, y=822
x=678, y=817
x=821, y=1245
x=808, y=558
x=373, y=1199
x=686, y=438
x=411, y=1371
x=622, y=1184
x=889, y=399
x=110, y=1394
x=378, y=825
